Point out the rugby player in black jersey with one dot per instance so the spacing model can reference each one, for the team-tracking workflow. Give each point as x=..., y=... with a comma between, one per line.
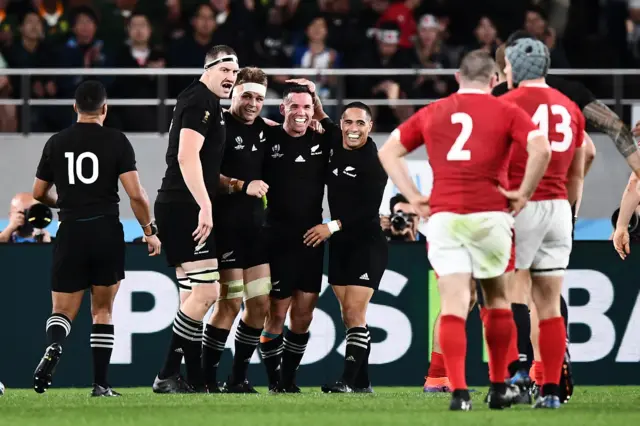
x=85, y=163
x=184, y=211
x=238, y=216
x=295, y=166
x=358, y=249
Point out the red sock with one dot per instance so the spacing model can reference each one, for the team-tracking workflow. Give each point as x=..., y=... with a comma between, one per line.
x=437, y=368
x=499, y=328
x=514, y=354
x=539, y=370
x=553, y=342
x=453, y=341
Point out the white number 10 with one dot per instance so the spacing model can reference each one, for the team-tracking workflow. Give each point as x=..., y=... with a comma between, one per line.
x=457, y=151
x=75, y=168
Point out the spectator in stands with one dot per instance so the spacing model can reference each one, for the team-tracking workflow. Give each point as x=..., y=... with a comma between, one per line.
x=30, y=51
x=115, y=15
x=137, y=52
x=536, y=23
x=370, y=16
x=54, y=15
x=234, y=25
x=82, y=50
x=486, y=36
x=401, y=13
x=18, y=230
x=633, y=29
x=8, y=122
x=7, y=25
x=386, y=55
x=189, y=51
x=316, y=54
x=430, y=53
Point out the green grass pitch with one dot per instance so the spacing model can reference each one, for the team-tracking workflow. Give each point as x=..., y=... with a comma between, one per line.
x=389, y=406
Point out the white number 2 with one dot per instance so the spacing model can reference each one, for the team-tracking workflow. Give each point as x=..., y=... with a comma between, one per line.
x=457, y=151
x=75, y=167
x=541, y=119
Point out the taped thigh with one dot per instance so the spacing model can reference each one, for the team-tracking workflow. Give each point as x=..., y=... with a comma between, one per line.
x=235, y=290
x=259, y=287
x=184, y=284
x=203, y=276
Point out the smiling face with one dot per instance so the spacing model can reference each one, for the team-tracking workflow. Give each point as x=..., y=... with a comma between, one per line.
x=298, y=111
x=247, y=106
x=355, y=125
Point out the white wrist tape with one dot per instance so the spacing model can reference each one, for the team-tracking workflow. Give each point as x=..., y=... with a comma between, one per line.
x=333, y=226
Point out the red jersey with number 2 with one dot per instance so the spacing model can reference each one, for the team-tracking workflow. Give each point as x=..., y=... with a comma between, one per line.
x=468, y=136
x=561, y=120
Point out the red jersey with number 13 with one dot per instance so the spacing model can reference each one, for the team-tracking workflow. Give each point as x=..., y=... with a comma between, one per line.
x=559, y=118
x=468, y=136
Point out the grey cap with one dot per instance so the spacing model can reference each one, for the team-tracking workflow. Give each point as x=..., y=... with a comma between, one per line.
x=529, y=59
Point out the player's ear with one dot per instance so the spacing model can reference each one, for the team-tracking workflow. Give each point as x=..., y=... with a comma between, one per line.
x=458, y=77
x=282, y=109
x=370, y=125
x=104, y=109
x=75, y=108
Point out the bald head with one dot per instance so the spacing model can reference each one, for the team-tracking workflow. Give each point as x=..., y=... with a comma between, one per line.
x=22, y=201
x=477, y=67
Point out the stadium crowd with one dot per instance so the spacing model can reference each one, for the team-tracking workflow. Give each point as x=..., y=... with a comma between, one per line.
x=292, y=33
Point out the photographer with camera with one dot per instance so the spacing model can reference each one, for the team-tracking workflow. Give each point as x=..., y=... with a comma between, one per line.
x=27, y=220
x=402, y=225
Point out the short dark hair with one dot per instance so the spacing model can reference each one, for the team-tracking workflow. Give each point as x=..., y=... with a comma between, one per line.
x=477, y=65
x=26, y=12
x=252, y=75
x=359, y=105
x=140, y=14
x=218, y=50
x=398, y=198
x=84, y=10
x=90, y=96
x=295, y=88
x=539, y=10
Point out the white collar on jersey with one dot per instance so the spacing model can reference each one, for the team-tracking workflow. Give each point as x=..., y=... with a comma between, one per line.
x=541, y=85
x=472, y=91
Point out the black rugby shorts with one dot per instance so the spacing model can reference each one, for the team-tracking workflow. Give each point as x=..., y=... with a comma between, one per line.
x=240, y=248
x=88, y=252
x=294, y=266
x=359, y=262
x=176, y=223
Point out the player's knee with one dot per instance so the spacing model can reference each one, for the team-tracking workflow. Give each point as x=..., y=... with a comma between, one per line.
x=353, y=316
x=275, y=318
x=204, y=285
x=205, y=295
x=257, y=307
x=101, y=314
x=300, y=320
x=228, y=308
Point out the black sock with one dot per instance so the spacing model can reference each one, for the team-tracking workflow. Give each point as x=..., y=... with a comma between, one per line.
x=189, y=331
x=271, y=353
x=213, y=343
x=247, y=338
x=184, y=329
x=294, y=347
x=357, y=344
x=523, y=326
x=58, y=328
x=102, y=340
x=362, y=378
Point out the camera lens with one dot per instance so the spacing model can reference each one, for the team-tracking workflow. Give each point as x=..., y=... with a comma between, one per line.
x=399, y=222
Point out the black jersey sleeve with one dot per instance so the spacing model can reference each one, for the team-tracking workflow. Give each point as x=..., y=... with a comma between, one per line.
x=197, y=116
x=500, y=89
x=45, y=171
x=127, y=160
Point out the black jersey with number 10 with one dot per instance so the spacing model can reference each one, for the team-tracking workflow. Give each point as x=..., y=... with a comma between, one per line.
x=84, y=162
x=197, y=109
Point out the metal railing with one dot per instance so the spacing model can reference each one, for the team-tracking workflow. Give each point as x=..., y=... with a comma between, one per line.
x=340, y=99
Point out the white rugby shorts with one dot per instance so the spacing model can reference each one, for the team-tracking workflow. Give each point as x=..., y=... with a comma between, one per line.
x=480, y=244
x=543, y=237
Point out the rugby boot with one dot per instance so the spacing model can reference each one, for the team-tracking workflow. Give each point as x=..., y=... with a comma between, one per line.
x=99, y=390
x=549, y=402
x=460, y=401
x=436, y=384
x=45, y=369
x=497, y=399
x=521, y=381
x=291, y=388
x=368, y=389
x=173, y=384
x=337, y=387
x=566, y=379
x=242, y=387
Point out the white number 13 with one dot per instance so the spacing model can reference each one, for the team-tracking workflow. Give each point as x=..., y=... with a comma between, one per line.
x=541, y=119
x=457, y=151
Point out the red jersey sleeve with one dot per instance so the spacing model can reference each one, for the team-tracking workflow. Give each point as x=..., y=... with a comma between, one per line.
x=410, y=132
x=521, y=127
